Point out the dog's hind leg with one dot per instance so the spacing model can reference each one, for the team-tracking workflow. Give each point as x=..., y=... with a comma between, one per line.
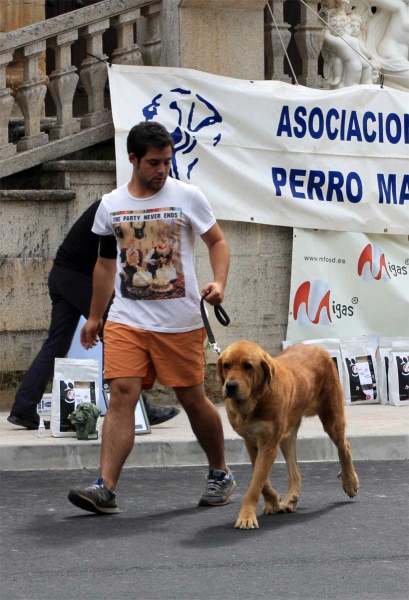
x=332, y=415
x=271, y=497
x=288, y=446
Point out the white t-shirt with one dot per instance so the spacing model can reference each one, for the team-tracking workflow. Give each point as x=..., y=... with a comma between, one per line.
x=155, y=286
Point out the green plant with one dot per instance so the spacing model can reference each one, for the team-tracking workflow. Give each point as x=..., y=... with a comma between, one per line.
x=10, y=380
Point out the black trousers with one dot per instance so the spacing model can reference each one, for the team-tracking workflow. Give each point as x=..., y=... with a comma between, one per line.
x=70, y=293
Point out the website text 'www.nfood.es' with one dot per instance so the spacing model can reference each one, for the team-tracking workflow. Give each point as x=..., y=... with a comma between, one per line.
x=325, y=259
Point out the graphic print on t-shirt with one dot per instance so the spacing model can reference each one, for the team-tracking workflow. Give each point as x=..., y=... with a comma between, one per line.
x=150, y=243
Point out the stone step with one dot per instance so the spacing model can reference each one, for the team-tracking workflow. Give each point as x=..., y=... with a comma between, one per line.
x=78, y=165
x=37, y=195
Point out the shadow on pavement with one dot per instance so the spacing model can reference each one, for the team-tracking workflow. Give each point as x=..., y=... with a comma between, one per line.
x=210, y=536
x=49, y=530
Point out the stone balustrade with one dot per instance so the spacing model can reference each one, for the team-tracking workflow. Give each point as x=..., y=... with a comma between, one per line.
x=302, y=36
x=309, y=37
x=28, y=44
x=275, y=36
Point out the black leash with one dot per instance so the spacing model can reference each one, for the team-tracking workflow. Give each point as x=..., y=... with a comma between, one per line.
x=221, y=316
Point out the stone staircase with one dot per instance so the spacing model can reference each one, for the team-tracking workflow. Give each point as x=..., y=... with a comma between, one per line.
x=47, y=139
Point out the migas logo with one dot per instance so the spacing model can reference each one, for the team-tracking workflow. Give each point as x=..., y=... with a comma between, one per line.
x=373, y=266
x=311, y=303
x=313, y=306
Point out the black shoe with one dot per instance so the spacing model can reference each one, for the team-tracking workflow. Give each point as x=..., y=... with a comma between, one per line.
x=160, y=414
x=96, y=498
x=26, y=421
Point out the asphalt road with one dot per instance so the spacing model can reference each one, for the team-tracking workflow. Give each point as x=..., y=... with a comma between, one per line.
x=163, y=547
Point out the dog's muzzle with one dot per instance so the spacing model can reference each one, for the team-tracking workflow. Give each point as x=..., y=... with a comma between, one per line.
x=231, y=389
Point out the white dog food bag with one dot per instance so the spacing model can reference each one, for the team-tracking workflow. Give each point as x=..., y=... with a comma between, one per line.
x=385, y=347
x=287, y=343
x=360, y=371
x=398, y=374
x=75, y=380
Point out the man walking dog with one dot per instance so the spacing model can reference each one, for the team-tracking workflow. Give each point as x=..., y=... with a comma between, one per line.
x=154, y=327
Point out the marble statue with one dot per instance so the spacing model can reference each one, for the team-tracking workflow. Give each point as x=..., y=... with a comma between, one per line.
x=356, y=27
x=345, y=56
x=378, y=30
x=387, y=38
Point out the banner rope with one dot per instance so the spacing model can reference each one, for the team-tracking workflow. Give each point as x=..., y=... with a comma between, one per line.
x=282, y=43
x=381, y=75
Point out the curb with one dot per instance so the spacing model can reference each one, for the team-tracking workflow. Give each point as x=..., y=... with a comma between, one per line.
x=177, y=453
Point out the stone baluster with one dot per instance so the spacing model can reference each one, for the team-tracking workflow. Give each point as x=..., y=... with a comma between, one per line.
x=30, y=96
x=273, y=47
x=149, y=34
x=63, y=82
x=6, y=106
x=94, y=74
x=127, y=52
x=309, y=37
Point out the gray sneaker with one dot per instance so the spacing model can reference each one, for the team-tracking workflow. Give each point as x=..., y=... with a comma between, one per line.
x=220, y=486
x=96, y=498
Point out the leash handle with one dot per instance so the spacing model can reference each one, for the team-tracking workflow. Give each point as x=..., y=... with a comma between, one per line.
x=221, y=316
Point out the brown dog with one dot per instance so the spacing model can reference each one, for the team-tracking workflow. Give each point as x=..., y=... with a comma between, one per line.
x=266, y=399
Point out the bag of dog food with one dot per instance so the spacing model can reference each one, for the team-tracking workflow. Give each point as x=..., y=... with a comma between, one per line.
x=287, y=343
x=360, y=371
x=398, y=374
x=385, y=347
x=75, y=381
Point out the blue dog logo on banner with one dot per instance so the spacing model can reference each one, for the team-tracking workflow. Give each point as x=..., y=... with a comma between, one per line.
x=191, y=117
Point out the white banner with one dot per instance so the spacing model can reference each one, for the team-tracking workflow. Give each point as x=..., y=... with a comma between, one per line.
x=348, y=284
x=269, y=152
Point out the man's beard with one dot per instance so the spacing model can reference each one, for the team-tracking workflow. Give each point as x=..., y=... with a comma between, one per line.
x=155, y=186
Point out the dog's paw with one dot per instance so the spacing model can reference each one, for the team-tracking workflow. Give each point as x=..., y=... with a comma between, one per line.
x=288, y=505
x=351, y=487
x=247, y=521
x=272, y=508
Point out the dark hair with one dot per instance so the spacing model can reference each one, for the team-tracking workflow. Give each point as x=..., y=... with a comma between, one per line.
x=145, y=135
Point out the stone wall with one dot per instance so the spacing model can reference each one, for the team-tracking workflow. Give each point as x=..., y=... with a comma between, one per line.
x=33, y=230
x=15, y=14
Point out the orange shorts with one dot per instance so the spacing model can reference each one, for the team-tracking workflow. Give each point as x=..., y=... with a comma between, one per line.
x=175, y=359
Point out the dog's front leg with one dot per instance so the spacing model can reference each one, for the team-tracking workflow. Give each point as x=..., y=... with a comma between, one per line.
x=264, y=460
x=271, y=497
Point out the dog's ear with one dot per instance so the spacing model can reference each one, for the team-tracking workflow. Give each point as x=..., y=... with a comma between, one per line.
x=220, y=369
x=268, y=368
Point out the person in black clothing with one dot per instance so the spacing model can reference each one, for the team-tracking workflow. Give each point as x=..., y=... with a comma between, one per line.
x=70, y=289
